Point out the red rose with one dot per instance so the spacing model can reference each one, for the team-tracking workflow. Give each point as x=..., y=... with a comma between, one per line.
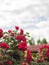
x=18, y=37
x=39, y=61
x=22, y=46
x=1, y=30
x=4, y=45
x=10, y=62
x=23, y=38
x=24, y=63
x=12, y=34
x=9, y=31
x=1, y=33
x=47, y=46
x=16, y=27
x=47, y=53
x=29, y=56
x=21, y=31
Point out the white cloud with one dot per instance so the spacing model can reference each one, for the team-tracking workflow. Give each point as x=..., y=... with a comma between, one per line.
x=43, y=24
x=42, y=31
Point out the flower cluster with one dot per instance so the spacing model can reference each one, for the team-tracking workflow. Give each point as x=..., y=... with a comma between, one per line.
x=13, y=45
x=4, y=45
x=44, y=50
x=14, y=49
x=28, y=55
x=22, y=46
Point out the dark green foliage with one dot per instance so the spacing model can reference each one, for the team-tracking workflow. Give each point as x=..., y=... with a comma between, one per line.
x=44, y=41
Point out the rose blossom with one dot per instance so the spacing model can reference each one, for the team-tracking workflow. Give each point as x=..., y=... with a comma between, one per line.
x=4, y=45
x=16, y=27
x=21, y=37
x=1, y=33
x=12, y=34
x=28, y=55
x=21, y=31
x=24, y=63
x=22, y=46
x=39, y=61
x=9, y=31
x=10, y=62
x=18, y=37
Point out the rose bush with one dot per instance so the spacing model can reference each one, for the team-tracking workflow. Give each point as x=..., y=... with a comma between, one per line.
x=13, y=44
x=14, y=49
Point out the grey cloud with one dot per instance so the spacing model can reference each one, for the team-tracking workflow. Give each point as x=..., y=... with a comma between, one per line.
x=30, y=8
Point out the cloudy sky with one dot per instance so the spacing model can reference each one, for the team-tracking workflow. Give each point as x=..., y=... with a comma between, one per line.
x=31, y=15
